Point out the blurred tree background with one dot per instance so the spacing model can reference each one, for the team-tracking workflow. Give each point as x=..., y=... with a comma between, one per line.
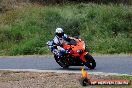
x=129, y=2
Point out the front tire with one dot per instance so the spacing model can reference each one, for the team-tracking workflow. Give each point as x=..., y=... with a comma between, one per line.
x=90, y=62
x=61, y=62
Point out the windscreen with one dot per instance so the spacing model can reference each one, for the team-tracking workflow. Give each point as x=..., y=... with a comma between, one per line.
x=72, y=42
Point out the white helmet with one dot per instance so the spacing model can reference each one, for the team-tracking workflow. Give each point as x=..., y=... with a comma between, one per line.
x=59, y=32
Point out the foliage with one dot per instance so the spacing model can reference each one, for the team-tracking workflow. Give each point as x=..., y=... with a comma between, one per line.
x=105, y=28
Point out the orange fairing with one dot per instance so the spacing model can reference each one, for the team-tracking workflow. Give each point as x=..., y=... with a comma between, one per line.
x=74, y=49
x=82, y=57
x=80, y=45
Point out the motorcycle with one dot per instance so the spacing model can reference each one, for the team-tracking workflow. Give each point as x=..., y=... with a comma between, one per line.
x=77, y=55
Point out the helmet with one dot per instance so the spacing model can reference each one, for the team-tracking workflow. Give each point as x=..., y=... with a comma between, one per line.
x=59, y=32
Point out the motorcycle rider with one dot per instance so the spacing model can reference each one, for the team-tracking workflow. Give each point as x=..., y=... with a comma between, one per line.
x=58, y=41
x=79, y=51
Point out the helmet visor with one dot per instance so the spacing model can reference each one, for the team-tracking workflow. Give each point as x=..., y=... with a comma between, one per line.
x=60, y=34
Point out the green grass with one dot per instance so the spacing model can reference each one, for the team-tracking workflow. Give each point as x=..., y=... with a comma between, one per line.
x=107, y=29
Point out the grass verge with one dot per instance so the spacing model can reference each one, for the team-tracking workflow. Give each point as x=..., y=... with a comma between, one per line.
x=105, y=28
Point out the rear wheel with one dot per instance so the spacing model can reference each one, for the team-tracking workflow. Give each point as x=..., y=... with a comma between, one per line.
x=90, y=62
x=61, y=62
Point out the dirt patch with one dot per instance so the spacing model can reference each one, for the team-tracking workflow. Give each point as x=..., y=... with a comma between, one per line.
x=43, y=80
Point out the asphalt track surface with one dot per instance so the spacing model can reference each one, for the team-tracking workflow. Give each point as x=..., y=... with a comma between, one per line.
x=105, y=64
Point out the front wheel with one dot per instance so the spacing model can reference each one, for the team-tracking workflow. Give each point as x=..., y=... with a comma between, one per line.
x=61, y=62
x=90, y=61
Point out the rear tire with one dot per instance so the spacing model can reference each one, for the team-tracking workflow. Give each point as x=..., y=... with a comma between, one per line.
x=90, y=62
x=61, y=62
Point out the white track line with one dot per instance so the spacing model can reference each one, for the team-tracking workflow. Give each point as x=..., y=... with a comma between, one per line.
x=62, y=71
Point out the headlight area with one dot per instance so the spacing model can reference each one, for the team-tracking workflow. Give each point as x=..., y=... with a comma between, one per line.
x=79, y=51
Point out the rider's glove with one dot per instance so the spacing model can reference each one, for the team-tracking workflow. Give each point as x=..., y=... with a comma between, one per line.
x=67, y=51
x=55, y=51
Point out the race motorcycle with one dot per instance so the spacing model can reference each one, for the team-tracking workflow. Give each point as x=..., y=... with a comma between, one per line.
x=77, y=55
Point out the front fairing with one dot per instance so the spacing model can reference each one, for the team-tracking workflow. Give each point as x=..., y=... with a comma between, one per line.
x=80, y=46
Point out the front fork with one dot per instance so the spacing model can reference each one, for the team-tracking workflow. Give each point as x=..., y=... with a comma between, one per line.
x=82, y=57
